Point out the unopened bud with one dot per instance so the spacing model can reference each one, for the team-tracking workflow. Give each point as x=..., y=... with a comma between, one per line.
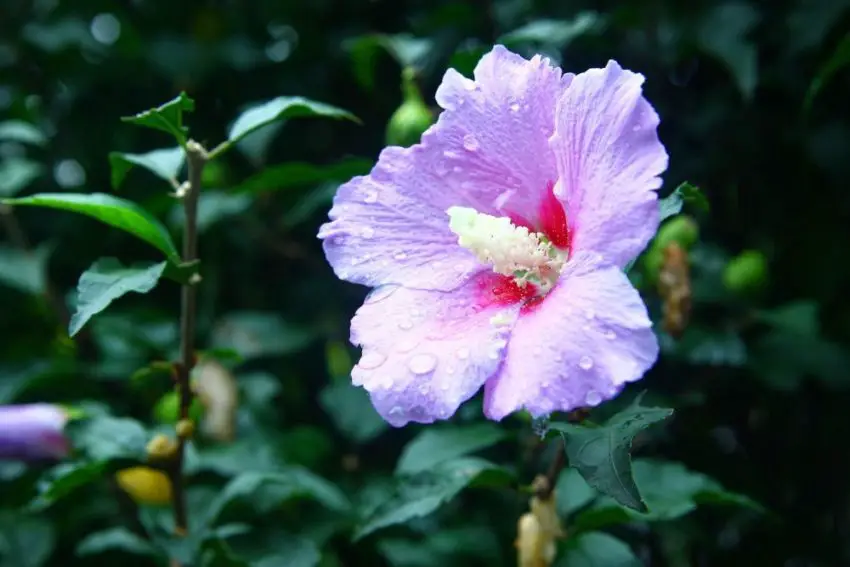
x=412, y=118
x=161, y=448
x=746, y=273
x=145, y=485
x=185, y=428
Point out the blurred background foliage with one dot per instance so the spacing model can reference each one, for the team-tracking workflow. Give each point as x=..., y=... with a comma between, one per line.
x=753, y=99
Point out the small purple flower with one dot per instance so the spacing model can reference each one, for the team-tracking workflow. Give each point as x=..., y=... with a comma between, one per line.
x=32, y=432
x=497, y=245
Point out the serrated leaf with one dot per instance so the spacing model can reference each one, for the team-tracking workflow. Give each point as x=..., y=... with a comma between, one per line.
x=107, y=280
x=422, y=494
x=296, y=174
x=601, y=454
x=556, y=33
x=23, y=132
x=104, y=438
x=597, y=549
x=670, y=490
x=282, y=108
x=115, y=212
x=164, y=163
x=266, y=491
x=25, y=541
x=167, y=118
x=115, y=539
x=25, y=270
x=439, y=444
x=16, y=174
x=685, y=193
x=352, y=412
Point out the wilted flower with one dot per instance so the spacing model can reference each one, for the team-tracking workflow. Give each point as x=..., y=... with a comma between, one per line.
x=497, y=245
x=32, y=432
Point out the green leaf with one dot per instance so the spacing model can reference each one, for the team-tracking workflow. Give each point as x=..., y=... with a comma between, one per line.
x=723, y=34
x=115, y=539
x=64, y=479
x=110, y=210
x=23, y=132
x=167, y=118
x=597, y=549
x=422, y=494
x=601, y=454
x=274, y=548
x=555, y=33
x=107, y=280
x=572, y=492
x=439, y=444
x=670, y=491
x=164, y=163
x=16, y=174
x=266, y=491
x=839, y=59
x=25, y=541
x=684, y=193
x=282, y=108
x=352, y=412
x=407, y=50
x=104, y=438
x=297, y=174
x=25, y=270
x=213, y=207
x=256, y=334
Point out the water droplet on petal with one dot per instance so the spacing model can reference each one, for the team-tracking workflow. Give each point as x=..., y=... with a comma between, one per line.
x=405, y=325
x=367, y=232
x=424, y=389
x=400, y=256
x=371, y=196
x=515, y=107
x=593, y=398
x=371, y=359
x=449, y=370
x=470, y=143
x=396, y=410
x=463, y=353
x=585, y=362
x=422, y=364
x=610, y=335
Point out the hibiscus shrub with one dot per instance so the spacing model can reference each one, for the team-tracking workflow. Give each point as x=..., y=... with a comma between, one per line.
x=476, y=288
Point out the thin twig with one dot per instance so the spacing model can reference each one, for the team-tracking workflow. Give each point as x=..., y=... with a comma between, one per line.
x=196, y=157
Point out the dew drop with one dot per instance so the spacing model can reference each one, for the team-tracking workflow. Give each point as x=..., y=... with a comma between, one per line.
x=463, y=353
x=470, y=143
x=367, y=232
x=371, y=196
x=585, y=362
x=371, y=359
x=593, y=398
x=405, y=325
x=515, y=107
x=457, y=169
x=449, y=370
x=400, y=256
x=396, y=410
x=424, y=389
x=610, y=335
x=422, y=364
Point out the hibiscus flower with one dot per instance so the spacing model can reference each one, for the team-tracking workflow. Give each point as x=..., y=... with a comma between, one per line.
x=32, y=432
x=496, y=246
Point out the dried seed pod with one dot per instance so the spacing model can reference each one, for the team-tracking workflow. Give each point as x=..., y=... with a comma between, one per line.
x=674, y=286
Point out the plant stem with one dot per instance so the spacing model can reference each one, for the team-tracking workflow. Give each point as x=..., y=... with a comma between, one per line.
x=196, y=157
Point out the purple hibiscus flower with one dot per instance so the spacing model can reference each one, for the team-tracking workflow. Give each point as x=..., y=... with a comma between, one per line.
x=32, y=432
x=496, y=245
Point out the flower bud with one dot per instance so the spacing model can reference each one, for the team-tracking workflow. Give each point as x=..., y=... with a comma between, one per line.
x=161, y=448
x=680, y=229
x=412, y=118
x=167, y=409
x=746, y=273
x=145, y=485
x=32, y=432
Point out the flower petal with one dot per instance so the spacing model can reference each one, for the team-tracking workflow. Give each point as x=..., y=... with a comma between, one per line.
x=589, y=337
x=609, y=161
x=32, y=431
x=488, y=150
x=426, y=352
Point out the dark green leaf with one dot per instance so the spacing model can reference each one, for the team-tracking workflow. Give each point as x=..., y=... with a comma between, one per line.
x=256, y=334
x=601, y=454
x=422, y=494
x=439, y=444
x=23, y=132
x=25, y=541
x=266, y=491
x=16, y=174
x=63, y=480
x=110, y=210
x=555, y=33
x=723, y=34
x=352, y=412
x=282, y=108
x=25, y=270
x=839, y=59
x=115, y=539
x=168, y=117
x=105, y=438
x=597, y=549
x=684, y=193
x=572, y=492
x=107, y=280
x=213, y=207
x=275, y=548
x=407, y=50
x=297, y=174
x=165, y=164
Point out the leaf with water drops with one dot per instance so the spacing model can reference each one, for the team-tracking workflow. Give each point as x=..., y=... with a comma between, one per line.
x=601, y=454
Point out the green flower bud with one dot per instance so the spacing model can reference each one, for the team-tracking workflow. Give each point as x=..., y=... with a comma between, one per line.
x=167, y=409
x=681, y=229
x=746, y=273
x=412, y=118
